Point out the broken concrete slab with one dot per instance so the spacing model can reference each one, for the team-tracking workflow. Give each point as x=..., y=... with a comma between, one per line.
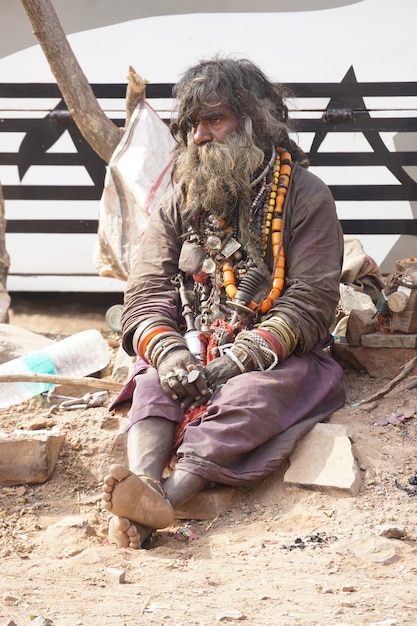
x=28, y=458
x=16, y=342
x=323, y=461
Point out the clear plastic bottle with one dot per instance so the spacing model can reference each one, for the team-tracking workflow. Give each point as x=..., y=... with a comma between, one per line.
x=81, y=354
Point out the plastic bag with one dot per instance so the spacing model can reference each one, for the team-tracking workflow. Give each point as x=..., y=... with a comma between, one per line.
x=136, y=178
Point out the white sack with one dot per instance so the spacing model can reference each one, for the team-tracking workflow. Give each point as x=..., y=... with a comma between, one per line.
x=136, y=178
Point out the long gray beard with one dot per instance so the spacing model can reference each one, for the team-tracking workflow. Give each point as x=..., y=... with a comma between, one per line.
x=218, y=179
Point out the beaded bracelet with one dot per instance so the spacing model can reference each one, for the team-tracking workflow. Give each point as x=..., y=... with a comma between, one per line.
x=271, y=339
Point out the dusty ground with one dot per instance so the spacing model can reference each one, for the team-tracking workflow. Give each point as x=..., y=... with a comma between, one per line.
x=276, y=558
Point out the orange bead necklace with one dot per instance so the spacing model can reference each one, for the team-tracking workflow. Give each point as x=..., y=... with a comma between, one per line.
x=273, y=228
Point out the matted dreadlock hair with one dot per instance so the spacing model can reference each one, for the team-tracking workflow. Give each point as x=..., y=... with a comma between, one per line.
x=244, y=87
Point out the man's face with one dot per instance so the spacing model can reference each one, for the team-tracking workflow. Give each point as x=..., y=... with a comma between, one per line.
x=213, y=123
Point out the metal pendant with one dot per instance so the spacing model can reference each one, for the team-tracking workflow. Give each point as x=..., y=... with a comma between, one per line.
x=230, y=247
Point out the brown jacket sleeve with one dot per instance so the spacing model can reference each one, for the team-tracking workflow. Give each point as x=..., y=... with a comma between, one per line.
x=149, y=291
x=313, y=244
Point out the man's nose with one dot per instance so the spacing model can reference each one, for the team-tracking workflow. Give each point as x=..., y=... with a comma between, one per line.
x=201, y=133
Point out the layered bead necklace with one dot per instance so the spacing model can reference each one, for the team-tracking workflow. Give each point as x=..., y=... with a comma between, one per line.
x=271, y=229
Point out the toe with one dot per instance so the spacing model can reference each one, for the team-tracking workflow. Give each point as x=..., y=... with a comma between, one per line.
x=119, y=472
x=108, y=481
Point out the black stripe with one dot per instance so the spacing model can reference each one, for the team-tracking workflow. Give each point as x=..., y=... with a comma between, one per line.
x=48, y=158
x=164, y=90
x=379, y=227
x=362, y=159
x=52, y=226
x=376, y=124
x=350, y=227
x=43, y=192
x=372, y=192
x=340, y=192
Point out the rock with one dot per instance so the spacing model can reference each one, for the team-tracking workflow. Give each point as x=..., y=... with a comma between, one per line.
x=9, y=599
x=359, y=323
x=123, y=366
x=392, y=532
x=67, y=537
x=40, y=621
x=323, y=461
x=28, y=458
x=230, y=615
x=377, y=362
x=16, y=342
x=115, y=576
x=369, y=549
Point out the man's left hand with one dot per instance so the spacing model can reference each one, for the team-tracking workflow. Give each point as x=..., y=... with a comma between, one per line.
x=219, y=371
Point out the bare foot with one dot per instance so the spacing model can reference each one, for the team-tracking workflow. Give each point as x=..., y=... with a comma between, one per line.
x=123, y=533
x=127, y=496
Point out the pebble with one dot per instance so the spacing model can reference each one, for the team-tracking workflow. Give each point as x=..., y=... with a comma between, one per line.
x=392, y=532
x=9, y=599
x=230, y=615
x=115, y=576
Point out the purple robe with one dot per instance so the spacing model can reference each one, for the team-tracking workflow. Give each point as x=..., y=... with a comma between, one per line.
x=253, y=423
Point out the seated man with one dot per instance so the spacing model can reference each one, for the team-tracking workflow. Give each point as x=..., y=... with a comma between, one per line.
x=228, y=305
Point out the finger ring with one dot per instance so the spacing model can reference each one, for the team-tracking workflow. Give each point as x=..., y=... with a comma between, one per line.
x=192, y=376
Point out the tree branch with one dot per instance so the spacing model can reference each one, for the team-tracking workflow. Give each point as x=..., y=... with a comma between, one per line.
x=100, y=132
x=55, y=379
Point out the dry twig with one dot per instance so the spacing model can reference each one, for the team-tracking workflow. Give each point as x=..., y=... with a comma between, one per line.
x=408, y=367
x=55, y=379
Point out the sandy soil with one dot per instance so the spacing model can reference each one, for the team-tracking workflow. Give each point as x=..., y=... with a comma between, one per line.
x=276, y=558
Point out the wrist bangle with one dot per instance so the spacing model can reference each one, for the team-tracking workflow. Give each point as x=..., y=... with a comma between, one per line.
x=165, y=351
x=147, y=325
x=153, y=356
x=235, y=360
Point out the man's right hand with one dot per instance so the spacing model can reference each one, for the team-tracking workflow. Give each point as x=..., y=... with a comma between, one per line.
x=181, y=378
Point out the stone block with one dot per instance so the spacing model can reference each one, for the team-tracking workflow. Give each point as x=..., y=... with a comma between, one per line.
x=359, y=323
x=115, y=575
x=323, y=461
x=208, y=504
x=28, y=458
x=385, y=340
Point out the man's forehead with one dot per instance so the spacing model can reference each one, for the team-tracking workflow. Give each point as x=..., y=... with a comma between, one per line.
x=212, y=104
